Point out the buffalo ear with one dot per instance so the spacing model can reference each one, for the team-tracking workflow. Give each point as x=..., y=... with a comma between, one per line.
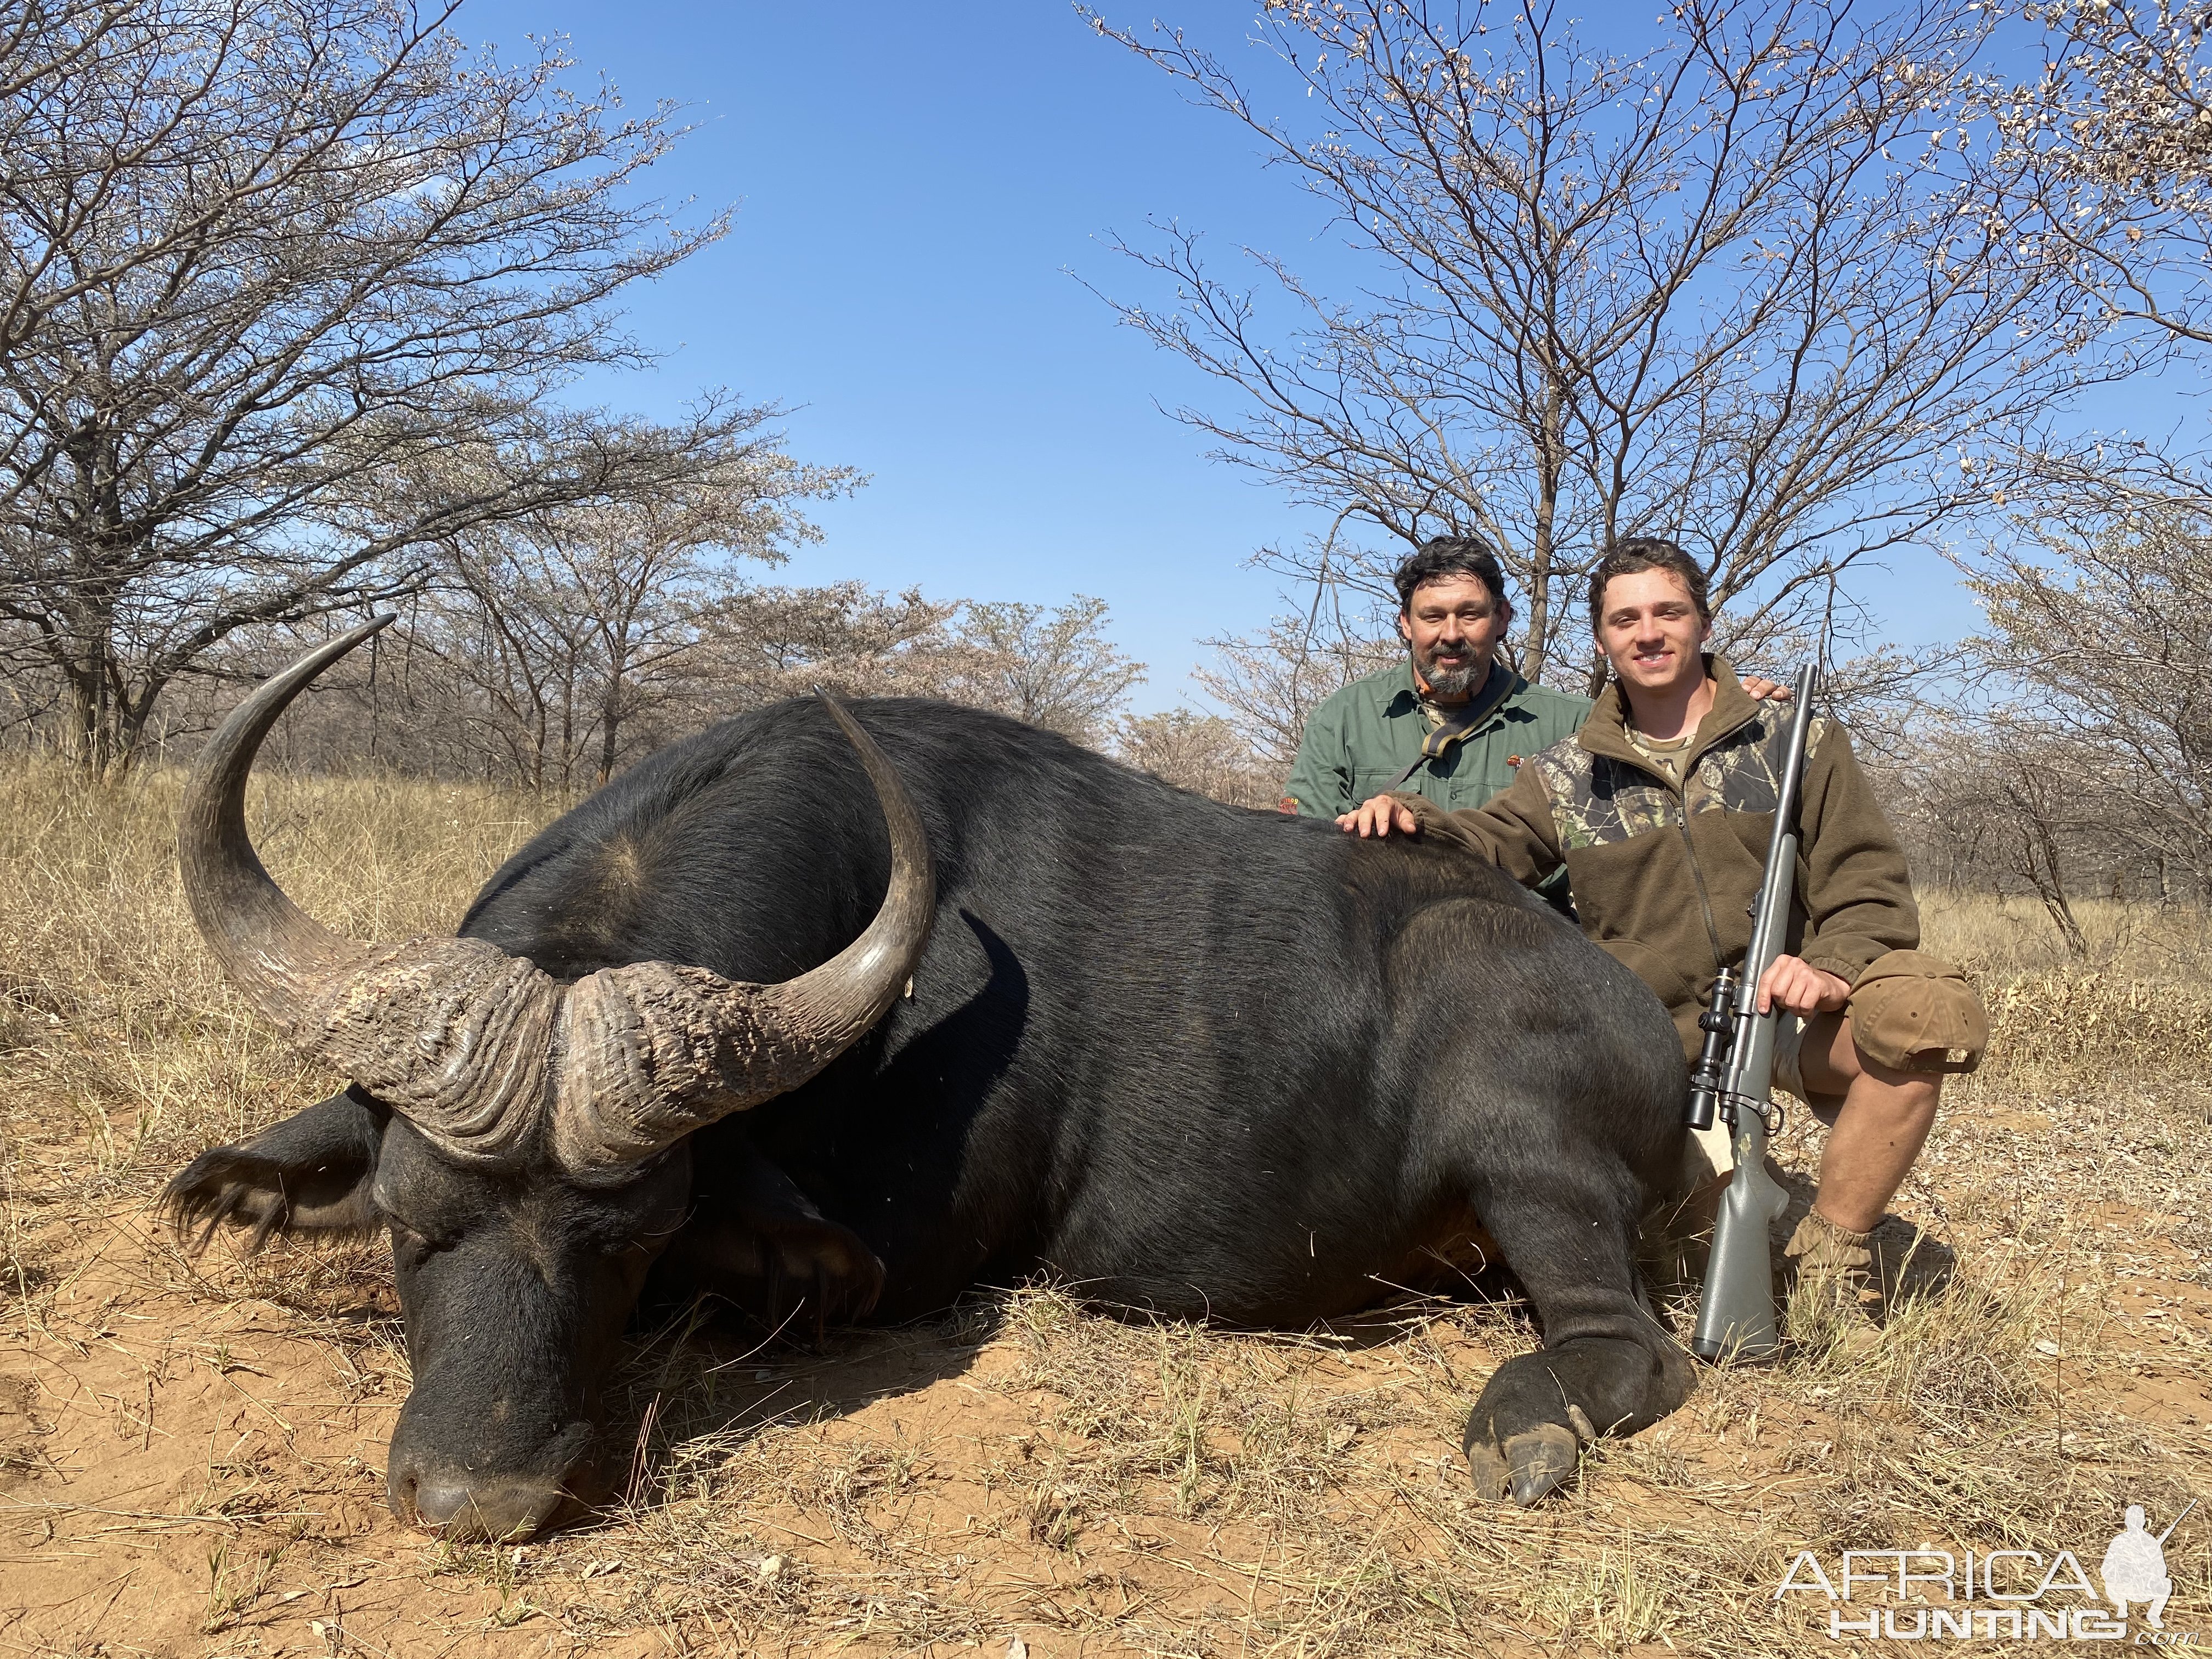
x=310, y=1174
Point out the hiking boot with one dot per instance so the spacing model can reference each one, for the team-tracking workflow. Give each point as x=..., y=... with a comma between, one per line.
x=1835, y=1271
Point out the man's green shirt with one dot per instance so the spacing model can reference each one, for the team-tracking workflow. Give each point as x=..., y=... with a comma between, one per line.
x=1361, y=741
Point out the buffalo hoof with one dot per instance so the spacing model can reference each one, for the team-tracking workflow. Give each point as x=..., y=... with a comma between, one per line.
x=507, y=1511
x=1531, y=1464
x=1525, y=1436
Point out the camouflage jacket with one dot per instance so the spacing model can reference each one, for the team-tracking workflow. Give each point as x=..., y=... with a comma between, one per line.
x=1664, y=878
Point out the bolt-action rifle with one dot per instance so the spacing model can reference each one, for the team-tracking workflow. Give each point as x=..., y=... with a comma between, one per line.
x=1733, y=1077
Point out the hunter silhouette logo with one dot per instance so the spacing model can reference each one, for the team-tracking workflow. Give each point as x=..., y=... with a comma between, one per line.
x=2134, y=1567
x=1929, y=1593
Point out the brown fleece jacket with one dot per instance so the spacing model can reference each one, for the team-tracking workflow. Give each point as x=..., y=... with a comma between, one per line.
x=1665, y=880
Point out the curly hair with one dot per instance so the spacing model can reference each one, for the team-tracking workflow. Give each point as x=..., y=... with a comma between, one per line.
x=1448, y=555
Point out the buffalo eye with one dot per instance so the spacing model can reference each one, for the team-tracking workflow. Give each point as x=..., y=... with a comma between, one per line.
x=408, y=1244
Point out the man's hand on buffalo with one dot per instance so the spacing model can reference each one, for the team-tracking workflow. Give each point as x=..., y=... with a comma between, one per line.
x=1378, y=818
x=1798, y=985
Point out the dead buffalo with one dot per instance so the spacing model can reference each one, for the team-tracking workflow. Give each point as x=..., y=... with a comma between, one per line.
x=777, y=1017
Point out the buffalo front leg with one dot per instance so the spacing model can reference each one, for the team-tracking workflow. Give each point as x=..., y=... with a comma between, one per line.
x=760, y=1243
x=1607, y=1366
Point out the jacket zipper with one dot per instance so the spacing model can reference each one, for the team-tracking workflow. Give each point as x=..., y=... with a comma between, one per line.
x=1689, y=848
x=1705, y=899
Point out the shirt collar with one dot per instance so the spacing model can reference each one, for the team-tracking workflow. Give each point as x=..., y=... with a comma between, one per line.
x=1605, y=732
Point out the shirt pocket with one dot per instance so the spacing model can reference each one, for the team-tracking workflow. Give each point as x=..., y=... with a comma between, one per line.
x=1471, y=789
x=1369, y=782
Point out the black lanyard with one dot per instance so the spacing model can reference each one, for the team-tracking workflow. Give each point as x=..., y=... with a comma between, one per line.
x=1441, y=739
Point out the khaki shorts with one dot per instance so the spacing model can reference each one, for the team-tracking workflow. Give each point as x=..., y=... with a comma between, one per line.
x=1709, y=1152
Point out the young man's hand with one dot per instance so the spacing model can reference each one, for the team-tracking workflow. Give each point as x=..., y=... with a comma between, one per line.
x=1801, y=989
x=1378, y=818
x=1760, y=688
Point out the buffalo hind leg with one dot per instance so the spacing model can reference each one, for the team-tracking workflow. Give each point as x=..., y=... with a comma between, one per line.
x=1607, y=1366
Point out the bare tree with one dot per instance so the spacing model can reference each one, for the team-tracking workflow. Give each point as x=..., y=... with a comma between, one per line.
x=2103, y=639
x=571, y=622
x=510, y=637
x=263, y=260
x=760, y=644
x=2028, y=793
x=650, y=573
x=507, y=658
x=2070, y=756
x=1272, y=684
x=1994, y=801
x=2100, y=644
x=1734, y=291
x=45, y=47
x=1053, y=668
x=2106, y=158
x=496, y=671
x=1200, y=752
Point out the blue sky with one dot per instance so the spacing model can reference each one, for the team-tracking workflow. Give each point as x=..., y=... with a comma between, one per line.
x=914, y=187
x=918, y=190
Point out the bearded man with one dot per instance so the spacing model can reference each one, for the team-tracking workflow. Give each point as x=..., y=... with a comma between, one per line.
x=1450, y=722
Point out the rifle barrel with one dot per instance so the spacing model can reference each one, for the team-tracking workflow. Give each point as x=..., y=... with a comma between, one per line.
x=1771, y=925
x=2176, y=1521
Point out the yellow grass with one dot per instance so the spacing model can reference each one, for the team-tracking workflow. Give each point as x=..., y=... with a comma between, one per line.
x=2142, y=1001
x=1026, y=1466
x=106, y=997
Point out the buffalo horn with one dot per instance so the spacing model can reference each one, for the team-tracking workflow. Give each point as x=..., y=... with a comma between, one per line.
x=274, y=952
x=470, y=1044
x=652, y=1051
x=453, y=1033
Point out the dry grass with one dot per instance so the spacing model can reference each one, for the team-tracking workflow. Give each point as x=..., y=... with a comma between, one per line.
x=1025, y=1465
x=107, y=1001
x=2142, y=1001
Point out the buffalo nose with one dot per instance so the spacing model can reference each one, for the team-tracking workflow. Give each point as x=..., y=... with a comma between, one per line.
x=502, y=1510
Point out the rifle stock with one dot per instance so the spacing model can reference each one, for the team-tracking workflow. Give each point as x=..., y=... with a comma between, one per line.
x=1736, y=1312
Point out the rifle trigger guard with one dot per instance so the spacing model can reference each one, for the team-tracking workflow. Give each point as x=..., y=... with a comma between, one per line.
x=1769, y=1110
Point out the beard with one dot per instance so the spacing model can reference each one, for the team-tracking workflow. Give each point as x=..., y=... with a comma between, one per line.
x=1452, y=679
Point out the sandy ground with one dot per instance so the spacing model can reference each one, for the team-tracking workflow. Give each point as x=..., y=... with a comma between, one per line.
x=191, y=1458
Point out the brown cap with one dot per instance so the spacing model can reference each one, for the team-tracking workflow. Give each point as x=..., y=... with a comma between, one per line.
x=1915, y=1012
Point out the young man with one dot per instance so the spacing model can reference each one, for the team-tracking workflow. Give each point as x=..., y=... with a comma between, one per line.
x=1450, y=722
x=1660, y=808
